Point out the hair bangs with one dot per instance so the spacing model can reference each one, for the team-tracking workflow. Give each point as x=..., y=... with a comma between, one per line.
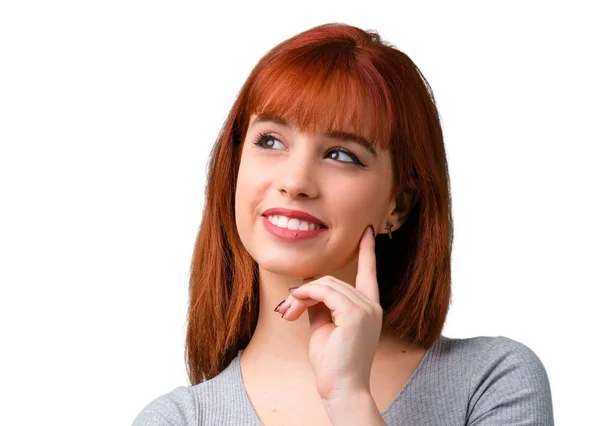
x=325, y=94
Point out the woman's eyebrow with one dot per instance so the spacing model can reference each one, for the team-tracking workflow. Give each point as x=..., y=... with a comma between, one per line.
x=351, y=137
x=336, y=134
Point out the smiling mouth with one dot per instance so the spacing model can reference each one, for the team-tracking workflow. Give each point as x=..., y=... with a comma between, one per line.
x=293, y=224
x=294, y=228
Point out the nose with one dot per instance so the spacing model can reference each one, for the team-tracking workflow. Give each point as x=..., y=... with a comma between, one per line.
x=296, y=177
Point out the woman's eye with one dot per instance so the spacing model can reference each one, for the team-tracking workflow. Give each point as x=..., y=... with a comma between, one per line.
x=265, y=137
x=336, y=156
x=268, y=141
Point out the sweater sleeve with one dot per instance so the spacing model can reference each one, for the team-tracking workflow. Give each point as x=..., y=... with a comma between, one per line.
x=176, y=408
x=509, y=386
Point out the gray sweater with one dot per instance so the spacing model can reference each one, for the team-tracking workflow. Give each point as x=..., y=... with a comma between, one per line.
x=475, y=381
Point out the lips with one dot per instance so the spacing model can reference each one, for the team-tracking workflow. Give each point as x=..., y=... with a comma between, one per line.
x=294, y=214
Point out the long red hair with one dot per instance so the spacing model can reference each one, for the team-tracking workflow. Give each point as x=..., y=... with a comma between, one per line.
x=331, y=77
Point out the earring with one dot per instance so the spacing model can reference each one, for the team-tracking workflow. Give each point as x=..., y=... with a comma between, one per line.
x=388, y=226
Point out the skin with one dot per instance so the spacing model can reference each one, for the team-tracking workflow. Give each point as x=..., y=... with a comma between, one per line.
x=306, y=172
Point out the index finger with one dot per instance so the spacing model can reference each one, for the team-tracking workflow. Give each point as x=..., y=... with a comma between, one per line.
x=366, y=275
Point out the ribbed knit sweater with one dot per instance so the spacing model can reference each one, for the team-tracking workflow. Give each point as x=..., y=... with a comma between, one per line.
x=475, y=381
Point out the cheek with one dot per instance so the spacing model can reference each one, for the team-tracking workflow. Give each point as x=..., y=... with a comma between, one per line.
x=244, y=193
x=250, y=190
x=355, y=201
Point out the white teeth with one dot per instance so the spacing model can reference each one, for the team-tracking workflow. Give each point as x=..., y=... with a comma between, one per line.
x=282, y=221
x=294, y=224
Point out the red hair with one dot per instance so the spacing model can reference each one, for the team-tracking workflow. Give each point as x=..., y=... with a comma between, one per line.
x=331, y=77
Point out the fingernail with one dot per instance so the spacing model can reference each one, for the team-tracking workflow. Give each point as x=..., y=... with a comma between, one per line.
x=372, y=230
x=279, y=306
x=292, y=289
x=287, y=308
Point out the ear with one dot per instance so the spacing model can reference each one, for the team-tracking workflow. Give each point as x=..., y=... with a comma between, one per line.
x=400, y=208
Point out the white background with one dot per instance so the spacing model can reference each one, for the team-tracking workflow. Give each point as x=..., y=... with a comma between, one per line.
x=108, y=110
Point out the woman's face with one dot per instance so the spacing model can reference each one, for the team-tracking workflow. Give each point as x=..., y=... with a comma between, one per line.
x=341, y=183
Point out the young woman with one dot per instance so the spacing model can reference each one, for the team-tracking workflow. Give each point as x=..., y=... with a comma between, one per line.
x=328, y=202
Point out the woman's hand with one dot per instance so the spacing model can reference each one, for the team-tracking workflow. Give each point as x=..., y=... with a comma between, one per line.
x=345, y=325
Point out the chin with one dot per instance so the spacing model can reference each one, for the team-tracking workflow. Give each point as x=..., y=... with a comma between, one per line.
x=289, y=268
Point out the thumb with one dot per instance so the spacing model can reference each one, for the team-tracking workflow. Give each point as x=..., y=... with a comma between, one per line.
x=318, y=316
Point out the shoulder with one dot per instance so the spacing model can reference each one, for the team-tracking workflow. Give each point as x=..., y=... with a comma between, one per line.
x=483, y=353
x=178, y=407
x=508, y=381
x=491, y=357
x=196, y=404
